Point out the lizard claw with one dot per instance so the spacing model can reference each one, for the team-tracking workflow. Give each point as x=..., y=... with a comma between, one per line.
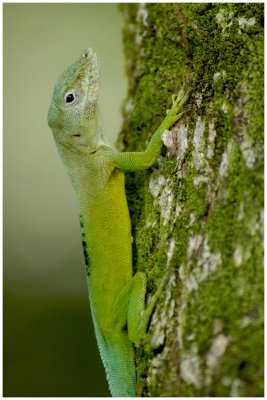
x=173, y=114
x=178, y=101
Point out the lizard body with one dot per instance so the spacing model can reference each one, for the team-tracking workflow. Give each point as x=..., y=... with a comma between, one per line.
x=96, y=171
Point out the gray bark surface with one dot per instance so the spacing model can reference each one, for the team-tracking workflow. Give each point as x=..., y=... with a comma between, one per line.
x=198, y=213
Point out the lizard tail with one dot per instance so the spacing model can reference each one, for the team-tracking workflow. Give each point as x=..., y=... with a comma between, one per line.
x=117, y=355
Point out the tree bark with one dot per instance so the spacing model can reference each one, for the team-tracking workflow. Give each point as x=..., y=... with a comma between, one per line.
x=198, y=213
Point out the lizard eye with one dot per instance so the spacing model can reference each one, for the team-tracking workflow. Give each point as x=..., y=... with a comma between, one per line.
x=69, y=98
x=72, y=97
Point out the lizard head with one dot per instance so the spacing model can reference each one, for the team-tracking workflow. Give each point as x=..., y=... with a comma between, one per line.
x=72, y=112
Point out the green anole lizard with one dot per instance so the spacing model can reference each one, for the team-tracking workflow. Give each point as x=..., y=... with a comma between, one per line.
x=96, y=171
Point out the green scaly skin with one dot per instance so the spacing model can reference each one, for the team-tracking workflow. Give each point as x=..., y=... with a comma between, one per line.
x=117, y=298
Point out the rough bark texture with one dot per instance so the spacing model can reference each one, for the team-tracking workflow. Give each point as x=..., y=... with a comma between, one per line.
x=199, y=212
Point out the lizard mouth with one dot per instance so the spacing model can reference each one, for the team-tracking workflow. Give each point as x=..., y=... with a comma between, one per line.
x=77, y=135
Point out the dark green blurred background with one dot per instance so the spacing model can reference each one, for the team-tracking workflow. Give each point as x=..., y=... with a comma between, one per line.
x=49, y=344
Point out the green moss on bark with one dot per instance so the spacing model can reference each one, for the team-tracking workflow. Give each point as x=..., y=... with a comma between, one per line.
x=199, y=214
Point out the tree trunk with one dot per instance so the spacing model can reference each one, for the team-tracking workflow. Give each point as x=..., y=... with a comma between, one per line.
x=198, y=213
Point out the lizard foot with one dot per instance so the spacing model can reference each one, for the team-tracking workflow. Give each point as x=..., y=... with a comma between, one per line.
x=178, y=101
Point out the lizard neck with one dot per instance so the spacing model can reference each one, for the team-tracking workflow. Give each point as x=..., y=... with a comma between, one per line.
x=87, y=171
x=83, y=158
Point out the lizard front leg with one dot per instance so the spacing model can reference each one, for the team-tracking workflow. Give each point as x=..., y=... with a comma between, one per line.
x=134, y=161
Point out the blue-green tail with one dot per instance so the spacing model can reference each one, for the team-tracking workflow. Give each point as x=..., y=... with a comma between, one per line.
x=117, y=355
